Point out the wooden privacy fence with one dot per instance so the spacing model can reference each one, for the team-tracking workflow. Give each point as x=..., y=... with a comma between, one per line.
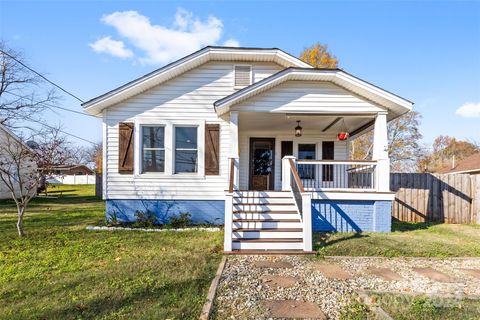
x=449, y=198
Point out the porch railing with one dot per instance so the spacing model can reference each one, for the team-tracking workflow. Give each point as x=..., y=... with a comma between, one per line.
x=296, y=186
x=337, y=174
x=291, y=182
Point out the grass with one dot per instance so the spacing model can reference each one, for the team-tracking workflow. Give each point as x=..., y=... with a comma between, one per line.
x=407, y=239
x=408, y=307
x=62, y=271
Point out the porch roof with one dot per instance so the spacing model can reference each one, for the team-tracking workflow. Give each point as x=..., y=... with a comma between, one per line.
x=395, y=104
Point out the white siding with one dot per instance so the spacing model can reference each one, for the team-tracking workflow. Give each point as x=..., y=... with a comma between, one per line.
x=8, y=146
x=307, y=97
x=340, y=150
x=189, y=97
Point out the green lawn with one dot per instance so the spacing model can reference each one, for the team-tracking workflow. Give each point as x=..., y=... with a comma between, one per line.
x=407, y=307
x=62, y=271
x=407, y=239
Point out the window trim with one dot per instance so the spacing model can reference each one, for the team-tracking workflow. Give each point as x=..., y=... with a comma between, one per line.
x=164, y=149
x=251, y=76
x=174, y=150
x=169, y=145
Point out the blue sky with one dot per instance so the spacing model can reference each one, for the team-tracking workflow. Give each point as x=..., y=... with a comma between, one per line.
x=428, y=52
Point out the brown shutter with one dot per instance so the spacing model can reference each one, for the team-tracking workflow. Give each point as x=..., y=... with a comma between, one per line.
x=212, y=149
x=125, y=148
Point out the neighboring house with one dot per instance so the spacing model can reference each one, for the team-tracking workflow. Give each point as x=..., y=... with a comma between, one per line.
x=251, y=138
x=469, y=165
x=11, y=144
x=74, y=169
x=71, y=174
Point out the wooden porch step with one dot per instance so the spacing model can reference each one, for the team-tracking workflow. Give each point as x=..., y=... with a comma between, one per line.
x=264, y=212
x=268, y=230
x=269, y=240
x=268, y=252
x=266, y=220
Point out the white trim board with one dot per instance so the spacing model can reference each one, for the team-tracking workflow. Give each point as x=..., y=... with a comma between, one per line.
x=365, y=195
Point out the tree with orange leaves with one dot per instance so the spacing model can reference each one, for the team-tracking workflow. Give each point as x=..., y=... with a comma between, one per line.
x=319, y=56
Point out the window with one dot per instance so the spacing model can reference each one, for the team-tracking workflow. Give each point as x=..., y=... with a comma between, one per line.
x=306, y=152
x=153, y=149
x=243, y=76
x=186, y=152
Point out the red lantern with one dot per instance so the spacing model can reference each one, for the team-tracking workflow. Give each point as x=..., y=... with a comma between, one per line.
x=342, y=136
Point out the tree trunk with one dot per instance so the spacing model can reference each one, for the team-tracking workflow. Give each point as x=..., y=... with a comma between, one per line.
x=21, y=233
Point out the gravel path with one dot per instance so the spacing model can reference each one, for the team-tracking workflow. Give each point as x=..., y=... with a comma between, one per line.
x=243, y=286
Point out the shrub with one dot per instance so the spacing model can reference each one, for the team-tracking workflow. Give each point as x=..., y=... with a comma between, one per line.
x=145, y=219
x=182, y=221
x=355, y=310
x=112, y=219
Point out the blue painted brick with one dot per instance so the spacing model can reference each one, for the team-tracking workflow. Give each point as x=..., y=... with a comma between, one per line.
x=201, y=211
x=351, y=215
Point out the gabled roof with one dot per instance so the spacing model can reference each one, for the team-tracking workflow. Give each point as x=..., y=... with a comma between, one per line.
x=470, y=164
x=392, y=102
x=15, y=137
x=174, y=69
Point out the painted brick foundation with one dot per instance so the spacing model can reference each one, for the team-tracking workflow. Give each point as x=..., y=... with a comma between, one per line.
x=201, y=211
x=351, y=215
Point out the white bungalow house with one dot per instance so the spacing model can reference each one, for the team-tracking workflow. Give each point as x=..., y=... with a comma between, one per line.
x=251, y=138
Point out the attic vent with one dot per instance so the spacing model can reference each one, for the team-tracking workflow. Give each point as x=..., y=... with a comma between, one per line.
x=243, y=76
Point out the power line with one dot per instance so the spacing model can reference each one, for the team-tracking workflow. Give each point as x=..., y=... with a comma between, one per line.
x=53, y=106
x=42, y=76
x=67, y=133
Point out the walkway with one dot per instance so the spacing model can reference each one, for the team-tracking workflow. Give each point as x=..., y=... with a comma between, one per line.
x=256, y=287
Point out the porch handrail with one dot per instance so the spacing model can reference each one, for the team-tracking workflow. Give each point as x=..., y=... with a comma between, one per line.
x=360, y=162
x=296, y=186
x=296, y=177
x=231, y=175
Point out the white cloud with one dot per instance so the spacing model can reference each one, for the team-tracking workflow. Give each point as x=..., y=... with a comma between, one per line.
x=114, y=47
x=161, y=44
x=231, y=43
x=469, y=110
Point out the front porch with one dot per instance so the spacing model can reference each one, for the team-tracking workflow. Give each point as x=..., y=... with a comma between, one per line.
x=283, y=187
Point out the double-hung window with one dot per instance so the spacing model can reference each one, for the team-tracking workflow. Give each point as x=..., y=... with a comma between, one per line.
x=186, y=149
x=153, y=149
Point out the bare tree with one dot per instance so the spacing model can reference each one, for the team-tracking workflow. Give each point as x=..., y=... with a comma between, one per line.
x=22, y=96
x=403, y=143
x=18, y=172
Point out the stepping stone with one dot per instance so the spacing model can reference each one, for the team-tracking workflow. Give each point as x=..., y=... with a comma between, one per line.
x=293, y=309
x=472, y=272
x=280, y=281
x=434, y=274
x=332, y=271
x=272, y=264
x=385, y=273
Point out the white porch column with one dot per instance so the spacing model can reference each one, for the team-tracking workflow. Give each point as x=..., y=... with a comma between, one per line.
x=234, y=150
x=307, y=221
x=380, y=153
x=286, y=175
